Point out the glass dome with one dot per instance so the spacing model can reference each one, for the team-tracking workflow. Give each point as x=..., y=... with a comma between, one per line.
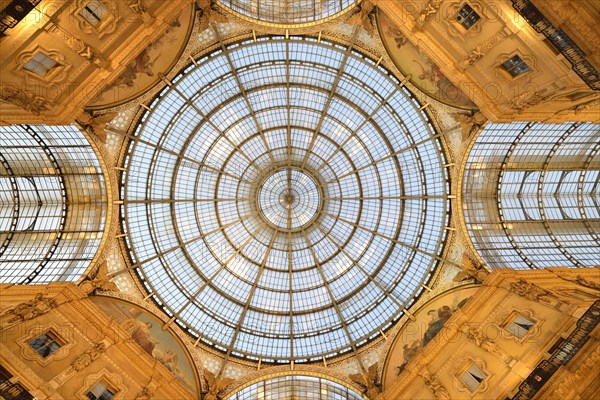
x=293, y=387
x=285, y=199
x=288, y=12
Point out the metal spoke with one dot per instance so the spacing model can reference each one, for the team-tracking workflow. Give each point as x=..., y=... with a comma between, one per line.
x=391, y=239
x=332, y=93
x=333, y=300
x=243, y=92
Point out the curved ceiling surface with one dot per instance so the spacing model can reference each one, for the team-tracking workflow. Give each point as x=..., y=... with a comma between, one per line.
x=285, y=199
x=293, y=387
x=288, y=12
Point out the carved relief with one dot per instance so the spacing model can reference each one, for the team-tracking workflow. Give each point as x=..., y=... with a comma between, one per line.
x=215, y=385
x=368, y=381
x=77, y=45
x=138, y=7
x=209, y=13
x=430, y=8
x=529, y=99
x=25, y=99
x=432, y=382
x=477, y=337
x=96, y=124
x=469, y=123
x=533, y=292
x=88, y=357
x=31, y=309
x=478, y=52
x=363, y=16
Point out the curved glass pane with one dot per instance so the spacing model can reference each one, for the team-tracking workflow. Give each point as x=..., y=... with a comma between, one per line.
x=296, y=387
x=532, y=195
x=285, y=199
x=52, y=204
x=288, y=11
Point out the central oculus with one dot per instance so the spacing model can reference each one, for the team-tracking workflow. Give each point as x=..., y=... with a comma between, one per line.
x=289, y=198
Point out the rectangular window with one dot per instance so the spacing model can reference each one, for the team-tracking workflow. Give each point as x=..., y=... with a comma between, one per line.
x=519, y=326
x=467, y=16
x=515, y=66
x=93, y=12
x=45, y=344
x=473, y=377
x=40, y=64
x=101, y=391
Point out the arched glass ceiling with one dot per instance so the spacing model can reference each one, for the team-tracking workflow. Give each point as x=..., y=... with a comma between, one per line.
x=532, y=195
x=285, y=199
x=288, y=11
x=52, y=204
x=293, y=387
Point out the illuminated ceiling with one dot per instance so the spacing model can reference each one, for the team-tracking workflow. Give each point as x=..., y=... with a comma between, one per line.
x=285, y=199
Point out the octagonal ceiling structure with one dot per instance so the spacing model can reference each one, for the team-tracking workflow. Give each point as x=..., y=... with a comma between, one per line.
x=285, y=199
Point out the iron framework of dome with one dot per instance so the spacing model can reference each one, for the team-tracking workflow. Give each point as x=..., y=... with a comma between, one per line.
x=284, y=199
x=289, y=12
x=295, y=387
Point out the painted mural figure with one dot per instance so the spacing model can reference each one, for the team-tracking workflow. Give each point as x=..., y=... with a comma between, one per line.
x=140, y=333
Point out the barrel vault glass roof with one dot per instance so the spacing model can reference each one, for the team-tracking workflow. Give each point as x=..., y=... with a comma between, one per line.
x=285, y=199
x=295, y=387
x=288, y=11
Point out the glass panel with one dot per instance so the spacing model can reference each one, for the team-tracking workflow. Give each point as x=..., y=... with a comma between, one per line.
x=303, y=188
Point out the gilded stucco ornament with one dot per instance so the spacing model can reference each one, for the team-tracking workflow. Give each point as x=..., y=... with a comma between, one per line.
x=471, y=269
x=100, y=282
x=363, y=17
x=216, y=385
x=96, y=124
x=88, y=357
x=469, y=123
x=30, y=309
x=433, y=383
x=368, y=381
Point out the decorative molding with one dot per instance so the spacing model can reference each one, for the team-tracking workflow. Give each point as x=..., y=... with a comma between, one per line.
x=533, y=292
x=77, y=45
x=25, y=99
x=432, y=7
x=529, y=99
x=138, y=7
x=480, y=50
x=481, y=340
x=64, y=338
x=30, y=309
x=108, y=24
x=455, y=28
x=55, y=75
x=466, y=362
x=114, y=380
x=433, y=383
x=532, y=333
x=88, y=357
